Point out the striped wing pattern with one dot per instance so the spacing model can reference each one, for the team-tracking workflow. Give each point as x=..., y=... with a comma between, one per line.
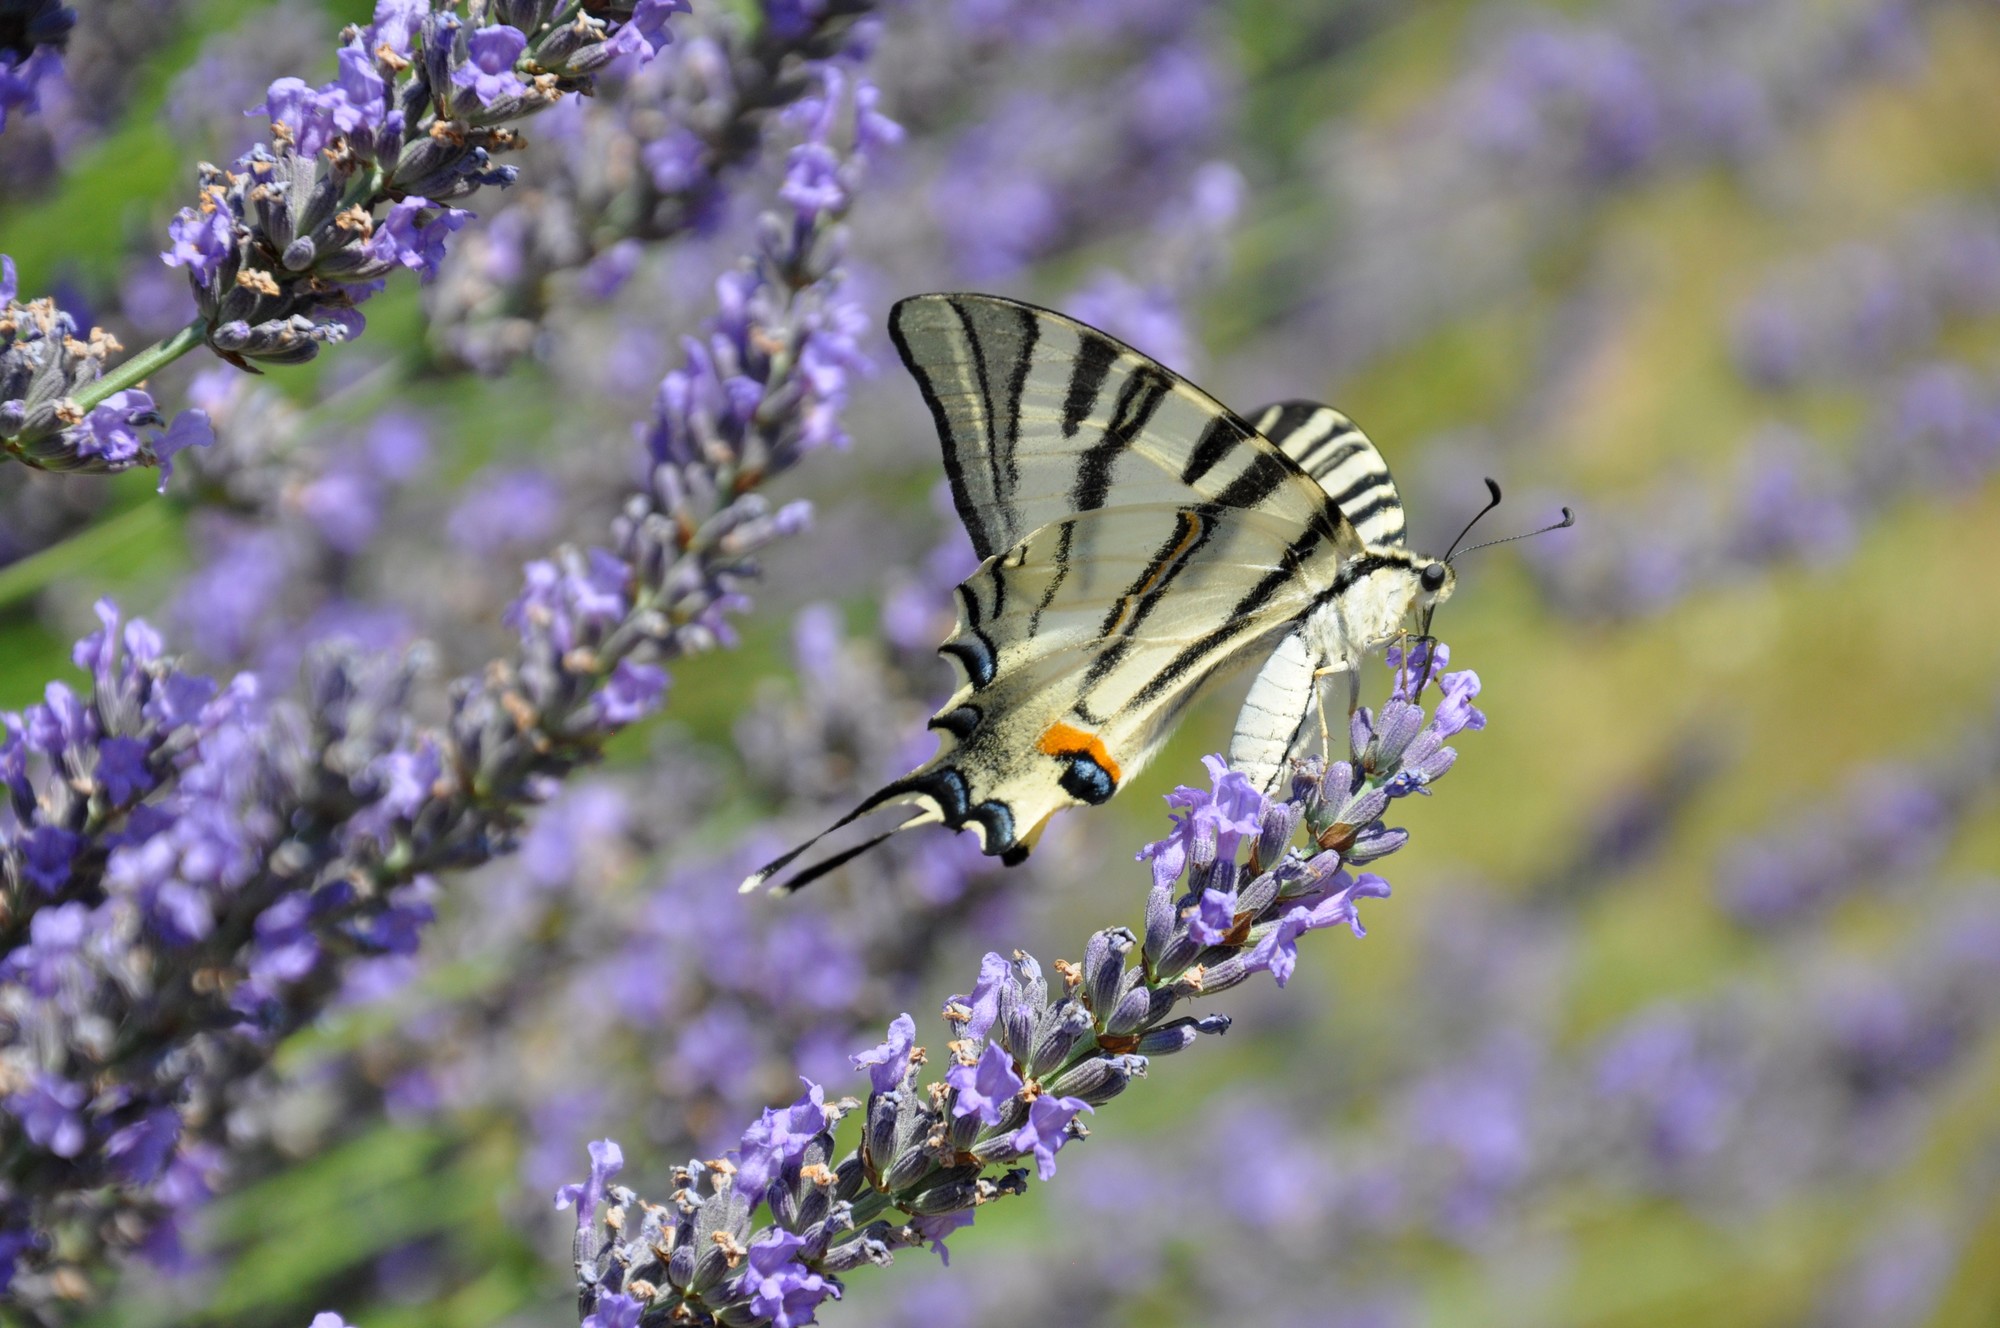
x=1080, y=648
x=1279, y=719
x=1332, y=449
x=1042, y=417
x=1088, y=626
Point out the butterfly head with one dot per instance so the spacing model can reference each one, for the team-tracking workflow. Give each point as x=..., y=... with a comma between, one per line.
x=1435, y=582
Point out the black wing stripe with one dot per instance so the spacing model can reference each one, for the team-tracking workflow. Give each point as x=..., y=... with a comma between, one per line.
x=1142, y=394
x=1193, y=530
x=1260, y=479
x=1094, y=359
x=1055, y=582
x=1313, y=464
x=1374, y=479
x=1002, y=496
x=969, y=514
x=1241, y=617
x=1293, y=415
x=1381, y=502
x=1222, y=436
x=1017, y=384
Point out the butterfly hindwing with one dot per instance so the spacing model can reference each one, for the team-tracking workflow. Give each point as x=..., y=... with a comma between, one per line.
x=1041, y=417
x=1280, y=719
x=1331, y=448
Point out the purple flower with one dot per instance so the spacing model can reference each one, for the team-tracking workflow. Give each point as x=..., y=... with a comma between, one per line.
x=400, y=239
x=778, y=1139
x=139, y=1152
x=781, y=1288
x=328, y=1319
x=985, y=1000
x=889, y=1063
x=812, y=182
x=345, y=503
x=122, y=769
x=605, y=275
x=677, y=160
x=488, y=72
x=301, y=113
x=1214, y=826
x=607, y=1159
x=1047, y=1130
x=397, y=23
x=111, y=430
x=360, y=85
x=55, y=940
x=1278, y=952
x=934, y=1227
x=189, y=429
x=1214, y=916
x=49, y=1112
x=505, y=509
x=614, y=1311
x=21, y=80
x=632, y=692
x=46, y=854
x=203, y=242
x=645, y=34
x=986, y=1087
x=402, y=783
x=1456, y=713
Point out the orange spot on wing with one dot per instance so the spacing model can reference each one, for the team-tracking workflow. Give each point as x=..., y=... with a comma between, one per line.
x=1062, y=740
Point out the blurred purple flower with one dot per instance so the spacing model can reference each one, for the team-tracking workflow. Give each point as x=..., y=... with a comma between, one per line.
x=488, y=74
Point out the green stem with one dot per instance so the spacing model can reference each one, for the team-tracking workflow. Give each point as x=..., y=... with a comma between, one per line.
x=143, y=365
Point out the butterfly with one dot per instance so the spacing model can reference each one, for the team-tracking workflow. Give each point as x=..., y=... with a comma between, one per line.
x=1139, y=541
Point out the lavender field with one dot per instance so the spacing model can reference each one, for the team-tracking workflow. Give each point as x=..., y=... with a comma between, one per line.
x=461, y=511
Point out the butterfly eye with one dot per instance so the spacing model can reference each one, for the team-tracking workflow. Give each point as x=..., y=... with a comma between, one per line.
x=1432, y=578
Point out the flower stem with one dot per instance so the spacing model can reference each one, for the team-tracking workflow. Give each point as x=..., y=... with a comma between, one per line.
x=142, y=365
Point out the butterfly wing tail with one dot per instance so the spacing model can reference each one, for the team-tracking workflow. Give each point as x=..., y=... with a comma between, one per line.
x=839, y=856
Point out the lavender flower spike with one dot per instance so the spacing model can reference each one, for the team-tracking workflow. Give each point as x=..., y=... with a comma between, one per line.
x=355, y=184
x=189, y=870
x=47, y=364
x=1028, y=1062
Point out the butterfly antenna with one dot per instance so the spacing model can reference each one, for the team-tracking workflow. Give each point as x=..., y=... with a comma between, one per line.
x=1493, y=488
x=1569, y=519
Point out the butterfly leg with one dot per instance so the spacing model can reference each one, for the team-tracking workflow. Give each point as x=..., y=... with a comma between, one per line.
x=1319, y=699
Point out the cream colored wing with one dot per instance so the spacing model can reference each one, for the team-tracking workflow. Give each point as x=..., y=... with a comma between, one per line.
x=1079, y=647
x=1042, y=417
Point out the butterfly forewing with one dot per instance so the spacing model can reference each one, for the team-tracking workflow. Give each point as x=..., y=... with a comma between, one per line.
x=1042, y=417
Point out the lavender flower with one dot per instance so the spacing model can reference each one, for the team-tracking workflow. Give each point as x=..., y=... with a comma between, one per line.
x=44, y=365
x=355, y=184
x=1027, y=1063
x=32, y=36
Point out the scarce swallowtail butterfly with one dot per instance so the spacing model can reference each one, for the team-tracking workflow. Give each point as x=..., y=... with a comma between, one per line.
x=1139, y=541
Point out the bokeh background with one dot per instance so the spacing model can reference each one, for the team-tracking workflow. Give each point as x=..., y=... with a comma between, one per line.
x=1685, y=1004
